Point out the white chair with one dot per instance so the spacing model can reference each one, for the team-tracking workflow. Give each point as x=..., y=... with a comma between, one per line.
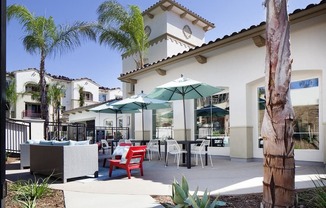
x=152, y=146
x=105, y=146
x=174, y=148
x=201, y=150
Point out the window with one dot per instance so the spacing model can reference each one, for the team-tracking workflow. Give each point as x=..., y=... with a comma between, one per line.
x=31, y=88
x=212, y=115
x=32, y=110
x=109, y=123
x=102, y=97
x=120, y=121
x=163, y=125
x=305, y=101
x=88, y=96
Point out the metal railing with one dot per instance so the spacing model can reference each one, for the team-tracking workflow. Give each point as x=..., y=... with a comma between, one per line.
x=30, y=114
x=66, y=131
x=104, y=132
x=17, y=132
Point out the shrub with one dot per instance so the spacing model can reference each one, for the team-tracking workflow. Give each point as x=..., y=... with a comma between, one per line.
x=27, y=192
x=183, y=199
x=320, y=192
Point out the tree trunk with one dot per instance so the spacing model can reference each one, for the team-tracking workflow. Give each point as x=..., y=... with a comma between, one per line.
x=43, y=94
x=277, y=127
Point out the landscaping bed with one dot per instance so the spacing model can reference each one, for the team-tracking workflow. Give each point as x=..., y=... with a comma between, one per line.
x=306, y=198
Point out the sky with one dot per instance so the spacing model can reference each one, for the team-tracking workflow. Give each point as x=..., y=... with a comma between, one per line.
x=103, y=64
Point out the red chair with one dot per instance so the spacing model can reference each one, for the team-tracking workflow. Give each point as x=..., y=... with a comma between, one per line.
x=133, y=160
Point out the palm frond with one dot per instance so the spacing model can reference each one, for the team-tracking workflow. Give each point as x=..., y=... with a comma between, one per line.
x=111, y=13
x=69, y=37
x=116, y=39
x=20, y=13
x=122, y=30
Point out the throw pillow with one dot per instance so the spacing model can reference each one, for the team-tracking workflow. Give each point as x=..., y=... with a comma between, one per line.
x=45, y=142
x=60, y=143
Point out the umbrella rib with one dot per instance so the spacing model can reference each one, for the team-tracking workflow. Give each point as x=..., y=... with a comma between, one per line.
x=173, y=91
x=194, y=89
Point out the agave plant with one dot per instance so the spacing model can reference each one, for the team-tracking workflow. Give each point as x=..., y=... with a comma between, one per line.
x=180, y=192
x=320, y=192
x=183, y=199
x=204, y=201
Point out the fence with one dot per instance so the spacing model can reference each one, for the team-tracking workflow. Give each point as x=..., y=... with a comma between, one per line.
x=17, y=132
x=64, y=131
x=104, y=132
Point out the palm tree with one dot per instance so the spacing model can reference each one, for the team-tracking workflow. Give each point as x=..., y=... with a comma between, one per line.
x=123, y=30
x=81, y=96
x=45, y=38
x=277, y=127
x=11, y=96
x=55, y=93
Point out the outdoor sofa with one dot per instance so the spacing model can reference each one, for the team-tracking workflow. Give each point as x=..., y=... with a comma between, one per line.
x=64, y=160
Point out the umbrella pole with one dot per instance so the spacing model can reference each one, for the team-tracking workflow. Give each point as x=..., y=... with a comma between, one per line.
x=116, y=123
x=184, y=117
x=142, y=122
x=212, y=117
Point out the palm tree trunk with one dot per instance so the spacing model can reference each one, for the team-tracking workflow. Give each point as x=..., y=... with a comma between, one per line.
x=43, y=94
x=277, y=127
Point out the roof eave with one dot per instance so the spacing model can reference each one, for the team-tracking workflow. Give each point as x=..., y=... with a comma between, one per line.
x=226, y=40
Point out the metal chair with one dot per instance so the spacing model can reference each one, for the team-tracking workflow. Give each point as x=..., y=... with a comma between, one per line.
x=174, y=148
x=104, y=145
x=201, y=150
x=152, y=146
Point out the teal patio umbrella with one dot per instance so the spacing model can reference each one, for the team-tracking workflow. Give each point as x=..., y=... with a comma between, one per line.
x=211, y=110
x=181, y=89
x=141, y=102
x=108, y=108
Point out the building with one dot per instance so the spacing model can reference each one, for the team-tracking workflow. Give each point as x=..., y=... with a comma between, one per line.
x=235, y=62
x=27, y=108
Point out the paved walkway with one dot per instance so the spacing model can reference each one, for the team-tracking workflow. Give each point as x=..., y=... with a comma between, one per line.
x=225, y=177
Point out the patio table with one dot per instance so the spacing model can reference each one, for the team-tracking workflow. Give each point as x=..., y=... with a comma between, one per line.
x=187, y=146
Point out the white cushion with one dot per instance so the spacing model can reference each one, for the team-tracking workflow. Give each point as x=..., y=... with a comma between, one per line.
x=120, y=150
x=123, y=159
x=72, y=142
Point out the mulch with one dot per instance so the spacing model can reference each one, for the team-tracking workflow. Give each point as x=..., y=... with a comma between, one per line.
x=304, y=199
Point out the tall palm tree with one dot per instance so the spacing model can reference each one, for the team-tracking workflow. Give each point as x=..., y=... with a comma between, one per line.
x=11, y=96
x=81, y=96
x=277, y=127
x=55, y=93
x=45, y=38
x=123, y=30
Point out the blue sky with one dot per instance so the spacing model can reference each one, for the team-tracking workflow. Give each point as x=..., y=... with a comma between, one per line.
x=102, y=64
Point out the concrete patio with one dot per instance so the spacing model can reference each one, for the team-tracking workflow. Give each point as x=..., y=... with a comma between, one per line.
x=225, y=177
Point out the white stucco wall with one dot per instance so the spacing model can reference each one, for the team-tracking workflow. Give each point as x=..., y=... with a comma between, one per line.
x=175, y=26
x=240, y=67
x=88, y=86
x=66, y=100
